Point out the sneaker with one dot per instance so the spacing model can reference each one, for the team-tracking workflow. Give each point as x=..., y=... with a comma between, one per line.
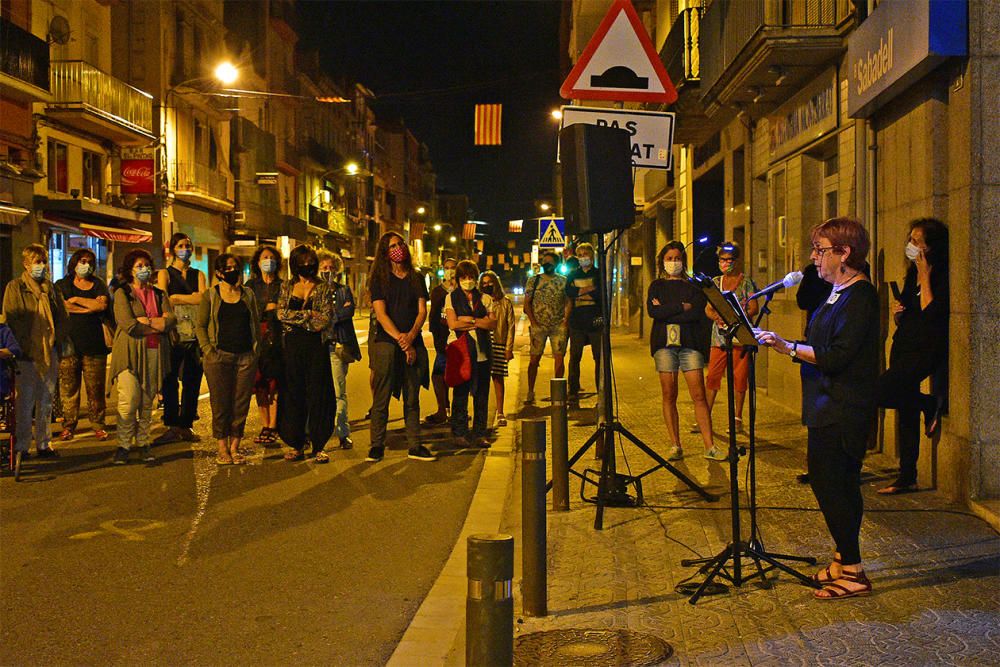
x=66, y=435
x=147, y=454
x=375, y=454
x=188, y=435
x=420, y=453
x=172, y=434
x=101, y=434
x=675, y=454
x=48, y=453
x=121, y=457
x=715, y=455
x=346, y=442
x=694, y=429
x=530, y=398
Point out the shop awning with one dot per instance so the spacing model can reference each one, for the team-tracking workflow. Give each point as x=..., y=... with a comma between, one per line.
x=12, y=215
x=125, y=234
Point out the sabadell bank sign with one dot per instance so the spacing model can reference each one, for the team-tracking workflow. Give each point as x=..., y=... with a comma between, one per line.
x=900, y=42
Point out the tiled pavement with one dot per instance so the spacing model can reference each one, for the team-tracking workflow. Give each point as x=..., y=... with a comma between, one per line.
x=935, y=567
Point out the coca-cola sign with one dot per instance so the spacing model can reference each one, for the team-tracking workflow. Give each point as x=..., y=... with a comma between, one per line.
x=137, y=177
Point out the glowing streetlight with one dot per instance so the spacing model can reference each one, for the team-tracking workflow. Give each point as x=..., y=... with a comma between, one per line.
x=226, y=72
x=352, y=168
x=545, y=206
x=452, y=239
x=437, y=228
x=556, y=114
x=421, y=210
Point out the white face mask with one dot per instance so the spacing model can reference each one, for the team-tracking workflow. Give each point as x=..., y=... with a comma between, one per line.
x=84, y=270
x=586, y=263
x=912, y=251
x=468, y=284
x=673, y=268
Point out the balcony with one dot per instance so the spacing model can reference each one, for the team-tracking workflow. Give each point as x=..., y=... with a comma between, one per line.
x=260, y=220
x=681, y=57
x=24, y=64
x=756, y=53
x=200, y=184
x=88, y=99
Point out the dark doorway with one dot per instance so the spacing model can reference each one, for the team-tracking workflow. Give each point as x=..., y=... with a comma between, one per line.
x=709, y=218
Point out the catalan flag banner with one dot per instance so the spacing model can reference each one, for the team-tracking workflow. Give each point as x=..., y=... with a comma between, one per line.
x=515, y=226
x=488, y=117
x=469, y=231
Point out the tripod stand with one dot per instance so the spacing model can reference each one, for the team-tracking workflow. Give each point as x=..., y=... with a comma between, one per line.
x=738, y=549
x=611, y=487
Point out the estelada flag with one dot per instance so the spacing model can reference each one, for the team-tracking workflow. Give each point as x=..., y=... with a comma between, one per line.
x=469, y=231
x=488, y=123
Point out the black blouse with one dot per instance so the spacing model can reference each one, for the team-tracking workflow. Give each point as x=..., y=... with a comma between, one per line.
x=695, y=326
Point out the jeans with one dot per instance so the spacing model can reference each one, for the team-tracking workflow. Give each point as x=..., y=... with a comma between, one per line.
x=387, y=361
x=339, y=365
x=479, y=387
x=230, y=385
x=577, y=341
x=35, y=392
x=93, y=370
x=185, y=366
x=135, y=404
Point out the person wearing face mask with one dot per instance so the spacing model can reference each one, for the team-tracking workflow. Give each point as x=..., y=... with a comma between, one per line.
x=228, y=331
x=398, y=357
x=678, y=343
x=438, y=325
x=547, y=308
x=503, y=337
x=265, y=283
x=37, y=316
x=86, y=298
x=184, y=284
x=919, y=347
x=731, y=280
x=305, y=309
x=585, y=320
x=140, y=356
x=341, y=339
x=470, y=311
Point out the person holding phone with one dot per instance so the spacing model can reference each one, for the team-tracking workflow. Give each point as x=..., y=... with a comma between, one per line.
x=919, y=345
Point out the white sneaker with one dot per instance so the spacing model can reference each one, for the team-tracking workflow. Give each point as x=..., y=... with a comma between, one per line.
x=500, y=420
x=675, y=454
x=715, y=455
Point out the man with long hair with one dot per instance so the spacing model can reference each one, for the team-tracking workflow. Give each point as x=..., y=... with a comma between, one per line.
x=398, y=357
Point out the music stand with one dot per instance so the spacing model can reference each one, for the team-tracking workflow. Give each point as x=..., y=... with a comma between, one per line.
x=738, y=327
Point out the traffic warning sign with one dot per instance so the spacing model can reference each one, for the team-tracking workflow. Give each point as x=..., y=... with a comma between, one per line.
x=551, y=232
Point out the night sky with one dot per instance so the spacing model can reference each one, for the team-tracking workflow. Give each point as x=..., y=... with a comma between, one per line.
x=431, y=62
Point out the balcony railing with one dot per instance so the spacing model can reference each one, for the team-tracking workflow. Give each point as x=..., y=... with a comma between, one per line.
x=23, y=56
x=680, y=53
x=200, y=178
x=75, y=82
x=729, y=25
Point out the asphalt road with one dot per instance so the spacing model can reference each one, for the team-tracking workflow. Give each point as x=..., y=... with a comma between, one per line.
x=185, y=562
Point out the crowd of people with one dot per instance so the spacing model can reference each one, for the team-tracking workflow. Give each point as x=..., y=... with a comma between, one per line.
x=288, y=343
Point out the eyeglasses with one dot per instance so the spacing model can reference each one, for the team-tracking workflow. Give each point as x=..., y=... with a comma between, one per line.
x=819, y=250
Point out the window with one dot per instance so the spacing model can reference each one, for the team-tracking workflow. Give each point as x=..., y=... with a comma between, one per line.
x=58, y=166
x=93, y=175
x=779, y=224
x=739, y=178
x=831, y=183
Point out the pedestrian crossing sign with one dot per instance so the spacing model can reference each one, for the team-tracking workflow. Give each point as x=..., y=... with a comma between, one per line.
x=551, y=232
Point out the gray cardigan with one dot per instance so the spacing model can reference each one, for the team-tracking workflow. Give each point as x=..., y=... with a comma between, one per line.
x=129, y=350
x=206, y=327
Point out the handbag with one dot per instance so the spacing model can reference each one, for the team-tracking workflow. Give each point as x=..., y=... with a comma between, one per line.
x=109, y=334
x=458, y=362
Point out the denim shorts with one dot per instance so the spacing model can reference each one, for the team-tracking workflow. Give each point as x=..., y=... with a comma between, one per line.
x=670, y=359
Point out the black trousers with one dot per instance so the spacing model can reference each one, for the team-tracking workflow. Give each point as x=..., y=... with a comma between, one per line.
x=835, y=477
x=479, y=388
x=185, y=368
x=578, y=340
x=899, y=389
x=307, y=403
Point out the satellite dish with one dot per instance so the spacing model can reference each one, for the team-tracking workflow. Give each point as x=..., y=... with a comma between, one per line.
x=58, y=30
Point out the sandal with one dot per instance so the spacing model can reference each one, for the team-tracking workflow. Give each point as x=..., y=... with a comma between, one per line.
x=835, y=591
x=223, y=460
x=322, y=457
x=261, y=437
x=896, y=488
x=295, y=455
x=238, y=459
x=826, y=576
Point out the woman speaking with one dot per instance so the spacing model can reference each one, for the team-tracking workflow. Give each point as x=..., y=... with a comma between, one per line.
x=839, y=373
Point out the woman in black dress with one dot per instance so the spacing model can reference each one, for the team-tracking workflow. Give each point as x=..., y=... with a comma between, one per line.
x=839, y=372
x=919, y=346
x=265, y=282
x=305, y=409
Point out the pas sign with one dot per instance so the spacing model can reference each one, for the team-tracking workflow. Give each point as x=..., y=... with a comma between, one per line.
x=652, y=132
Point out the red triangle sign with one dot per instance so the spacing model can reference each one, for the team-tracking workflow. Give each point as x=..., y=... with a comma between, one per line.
x=620, y=63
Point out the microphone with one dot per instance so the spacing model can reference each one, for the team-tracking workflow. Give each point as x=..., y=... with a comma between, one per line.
x=790, y=280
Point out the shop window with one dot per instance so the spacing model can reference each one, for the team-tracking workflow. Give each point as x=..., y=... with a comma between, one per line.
x=58, y=166
x=93, y=173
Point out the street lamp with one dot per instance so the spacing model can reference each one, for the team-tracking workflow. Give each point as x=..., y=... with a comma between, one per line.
x=452, y=239
x=352, y=168
x=421, y=210
x=437, y=227
x=556, y=114
x=226, y=73
x=545, y=206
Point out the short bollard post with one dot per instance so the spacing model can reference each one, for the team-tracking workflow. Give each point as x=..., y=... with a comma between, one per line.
x=533, y=549
x=560, y=446
x=489, y=605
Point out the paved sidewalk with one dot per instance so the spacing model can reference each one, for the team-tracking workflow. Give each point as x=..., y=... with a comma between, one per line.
x=935, y=567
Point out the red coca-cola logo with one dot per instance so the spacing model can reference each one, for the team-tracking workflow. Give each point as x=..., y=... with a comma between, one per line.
x=137, y=177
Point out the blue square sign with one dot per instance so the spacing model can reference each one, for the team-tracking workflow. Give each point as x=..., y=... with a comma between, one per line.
x=551, y=232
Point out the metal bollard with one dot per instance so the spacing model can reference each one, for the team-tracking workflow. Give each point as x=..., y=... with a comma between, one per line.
x=533, y=548
x=489, y=606
x=560, y=446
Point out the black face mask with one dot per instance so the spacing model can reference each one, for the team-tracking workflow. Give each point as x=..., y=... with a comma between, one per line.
x=308, y=270
x=486, y=289
x=231, y=276
x=549, y=268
